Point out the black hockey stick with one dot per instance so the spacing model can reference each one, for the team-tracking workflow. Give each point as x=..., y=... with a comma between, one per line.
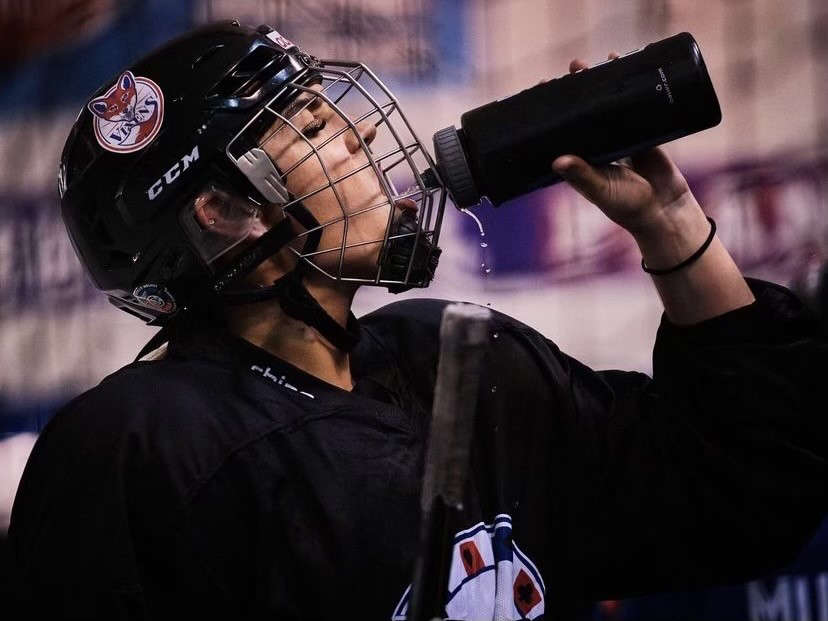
x=464, y=336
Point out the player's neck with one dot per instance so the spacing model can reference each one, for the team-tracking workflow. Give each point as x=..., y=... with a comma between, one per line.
x=265, y=325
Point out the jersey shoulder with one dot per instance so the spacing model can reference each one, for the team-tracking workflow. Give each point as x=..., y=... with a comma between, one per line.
x=406, y=335
x=420, y=311
x=146, y=388
x=182, y=415
x=418, y=321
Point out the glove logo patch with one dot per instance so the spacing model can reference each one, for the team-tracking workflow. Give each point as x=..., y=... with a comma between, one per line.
x=129, y=115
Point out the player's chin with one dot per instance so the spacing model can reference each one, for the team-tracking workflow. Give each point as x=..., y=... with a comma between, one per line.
x=409, y=258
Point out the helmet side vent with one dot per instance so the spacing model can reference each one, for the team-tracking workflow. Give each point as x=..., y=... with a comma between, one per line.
x=207, y=55
x=254, y=70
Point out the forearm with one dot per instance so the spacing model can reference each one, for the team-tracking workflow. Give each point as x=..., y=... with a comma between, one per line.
x=711, y=285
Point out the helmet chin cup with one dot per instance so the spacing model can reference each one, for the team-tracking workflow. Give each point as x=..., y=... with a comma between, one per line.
x=408, y=257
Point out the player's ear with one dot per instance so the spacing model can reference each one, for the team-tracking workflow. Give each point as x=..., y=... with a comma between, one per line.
x=205, y=210
x=225, y=214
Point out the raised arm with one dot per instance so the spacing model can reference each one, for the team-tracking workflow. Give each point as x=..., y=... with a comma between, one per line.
x=650, y=198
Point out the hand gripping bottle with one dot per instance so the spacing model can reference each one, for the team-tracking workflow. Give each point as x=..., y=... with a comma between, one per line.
x=645, y=98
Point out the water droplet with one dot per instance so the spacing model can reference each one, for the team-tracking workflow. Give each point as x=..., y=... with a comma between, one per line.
x=476, y=219
x=494, y=389
x=495, y=335
x=488, y=303
x=484, y=245
x=488, y=270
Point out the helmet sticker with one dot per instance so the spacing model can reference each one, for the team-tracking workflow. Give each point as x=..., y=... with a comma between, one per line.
x=156, y=297
x=129, y=114
x=280, y=40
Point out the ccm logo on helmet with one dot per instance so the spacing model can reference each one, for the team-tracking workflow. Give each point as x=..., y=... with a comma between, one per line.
x=172, y=174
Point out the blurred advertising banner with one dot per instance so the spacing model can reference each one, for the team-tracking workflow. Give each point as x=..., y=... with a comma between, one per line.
x=420, y=41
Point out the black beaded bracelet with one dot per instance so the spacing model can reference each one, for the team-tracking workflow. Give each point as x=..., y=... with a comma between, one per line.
x=689, y=259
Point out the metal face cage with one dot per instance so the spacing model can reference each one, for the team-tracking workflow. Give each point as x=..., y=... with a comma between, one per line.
x=343, y=149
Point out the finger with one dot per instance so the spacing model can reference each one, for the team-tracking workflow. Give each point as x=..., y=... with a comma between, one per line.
x=576, y=65
x=586, y=179
x=654, y=164
x=657, y=168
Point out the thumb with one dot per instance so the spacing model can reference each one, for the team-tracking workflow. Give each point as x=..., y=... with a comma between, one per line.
x=586, y=179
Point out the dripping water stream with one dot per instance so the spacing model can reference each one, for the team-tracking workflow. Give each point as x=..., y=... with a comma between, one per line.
x=485, y=264
x=485, y=269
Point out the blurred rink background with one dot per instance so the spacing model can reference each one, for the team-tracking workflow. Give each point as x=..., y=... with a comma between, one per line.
x=556, y=263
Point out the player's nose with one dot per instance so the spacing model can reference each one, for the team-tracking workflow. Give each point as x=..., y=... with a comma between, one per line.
x=367, y=131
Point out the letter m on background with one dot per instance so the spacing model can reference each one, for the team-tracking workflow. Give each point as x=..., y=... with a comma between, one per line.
x=773, y=606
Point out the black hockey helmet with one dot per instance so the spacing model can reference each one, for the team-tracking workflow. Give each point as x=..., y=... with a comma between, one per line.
x=194, y=112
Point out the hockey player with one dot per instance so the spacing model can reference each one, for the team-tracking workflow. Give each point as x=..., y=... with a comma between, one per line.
x=237, y=191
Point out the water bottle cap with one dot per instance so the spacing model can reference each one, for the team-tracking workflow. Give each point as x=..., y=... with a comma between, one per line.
x=454, y=168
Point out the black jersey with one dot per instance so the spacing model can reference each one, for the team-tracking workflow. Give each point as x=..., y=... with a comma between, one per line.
x=223, y=482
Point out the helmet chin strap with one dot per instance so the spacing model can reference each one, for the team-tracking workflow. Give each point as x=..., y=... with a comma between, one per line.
x=297, y=302
x=294, y=298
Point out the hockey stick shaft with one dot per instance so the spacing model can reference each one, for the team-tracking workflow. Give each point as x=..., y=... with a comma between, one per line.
x=464, y=337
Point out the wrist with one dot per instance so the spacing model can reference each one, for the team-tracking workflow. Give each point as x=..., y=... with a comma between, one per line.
x=674, y=234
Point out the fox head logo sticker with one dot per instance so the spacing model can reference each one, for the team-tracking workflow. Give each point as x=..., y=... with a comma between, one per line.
x=129, y=114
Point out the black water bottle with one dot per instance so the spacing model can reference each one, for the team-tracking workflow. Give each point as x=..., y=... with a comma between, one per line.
x=642, y=99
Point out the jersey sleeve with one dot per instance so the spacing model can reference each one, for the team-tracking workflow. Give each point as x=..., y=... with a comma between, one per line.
x=714, y=469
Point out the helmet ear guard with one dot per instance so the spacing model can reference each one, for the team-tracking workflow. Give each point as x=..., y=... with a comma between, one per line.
x=216, y=221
